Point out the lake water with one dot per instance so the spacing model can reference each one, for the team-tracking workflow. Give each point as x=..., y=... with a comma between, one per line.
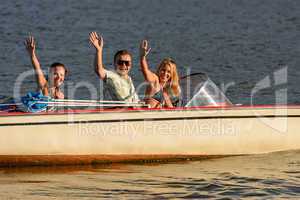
x=269, y=176
x=238, y=43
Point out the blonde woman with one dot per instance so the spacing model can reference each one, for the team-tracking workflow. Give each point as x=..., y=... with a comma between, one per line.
x=163, y=89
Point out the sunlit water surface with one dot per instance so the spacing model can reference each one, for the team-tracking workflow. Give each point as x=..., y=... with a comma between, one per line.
x=275, y=175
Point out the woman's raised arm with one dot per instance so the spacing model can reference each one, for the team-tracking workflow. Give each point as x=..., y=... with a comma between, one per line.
x=148, y=74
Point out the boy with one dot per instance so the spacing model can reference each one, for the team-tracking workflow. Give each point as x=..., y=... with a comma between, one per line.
x=56, y=77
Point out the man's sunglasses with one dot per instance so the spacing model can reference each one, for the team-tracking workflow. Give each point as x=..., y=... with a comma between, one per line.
x=122, y=62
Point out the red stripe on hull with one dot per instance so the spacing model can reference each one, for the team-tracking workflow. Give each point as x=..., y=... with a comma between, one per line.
x=81, y=111
x=62, y=160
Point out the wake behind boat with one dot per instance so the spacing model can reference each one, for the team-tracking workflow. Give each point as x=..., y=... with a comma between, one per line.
x=207, y=126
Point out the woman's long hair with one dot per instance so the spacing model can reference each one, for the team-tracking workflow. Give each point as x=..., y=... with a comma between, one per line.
x=174, y=80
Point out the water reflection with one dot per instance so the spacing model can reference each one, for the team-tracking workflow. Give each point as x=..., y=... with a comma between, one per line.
x=256, y=176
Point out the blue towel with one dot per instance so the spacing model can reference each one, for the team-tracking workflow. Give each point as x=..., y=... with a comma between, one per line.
x=30, y=102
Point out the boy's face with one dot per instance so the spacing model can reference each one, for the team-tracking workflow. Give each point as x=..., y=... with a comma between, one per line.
x=58, y=75
x=123, y=64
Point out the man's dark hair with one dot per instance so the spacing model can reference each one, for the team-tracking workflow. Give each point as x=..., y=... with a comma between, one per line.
x=121, y=52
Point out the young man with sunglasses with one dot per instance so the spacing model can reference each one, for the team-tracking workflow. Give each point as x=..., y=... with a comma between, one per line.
x=119, y=83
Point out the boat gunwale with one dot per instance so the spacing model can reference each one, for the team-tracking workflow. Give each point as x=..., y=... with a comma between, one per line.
x=131, y=110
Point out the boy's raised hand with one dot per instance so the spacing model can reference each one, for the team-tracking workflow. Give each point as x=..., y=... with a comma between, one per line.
x=30, y=45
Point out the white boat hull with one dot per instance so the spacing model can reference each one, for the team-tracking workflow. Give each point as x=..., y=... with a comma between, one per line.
x=134, y=133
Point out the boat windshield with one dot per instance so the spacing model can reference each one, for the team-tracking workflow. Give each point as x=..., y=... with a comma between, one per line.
x=199, y=90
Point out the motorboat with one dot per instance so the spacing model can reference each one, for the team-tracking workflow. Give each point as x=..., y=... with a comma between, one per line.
x=205, y=125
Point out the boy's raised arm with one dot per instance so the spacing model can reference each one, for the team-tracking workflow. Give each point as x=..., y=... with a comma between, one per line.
x=30, y=46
